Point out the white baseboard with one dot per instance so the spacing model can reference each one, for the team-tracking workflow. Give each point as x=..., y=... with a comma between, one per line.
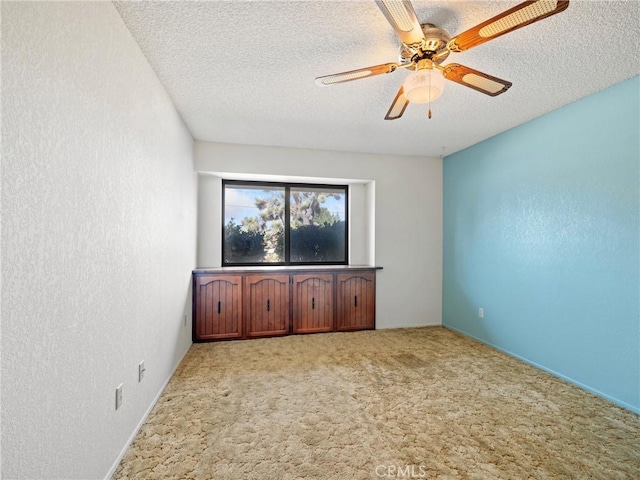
x=113, y=468
x=389, y=327
x=550, y=371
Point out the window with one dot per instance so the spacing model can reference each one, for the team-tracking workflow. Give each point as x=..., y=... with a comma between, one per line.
x=284, y=224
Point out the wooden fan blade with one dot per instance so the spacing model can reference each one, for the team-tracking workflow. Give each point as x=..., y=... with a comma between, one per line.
x=356, y=74
x=402, y=17
x=471, y=78
x=398, y=106
x=514, y=18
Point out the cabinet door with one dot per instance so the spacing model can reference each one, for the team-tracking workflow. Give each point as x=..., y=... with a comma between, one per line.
x=356, y=301
x=312, y=303
x=218, y=307
x=267, y=305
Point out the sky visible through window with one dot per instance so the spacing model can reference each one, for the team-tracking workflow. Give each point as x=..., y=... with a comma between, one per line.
x=241, y=203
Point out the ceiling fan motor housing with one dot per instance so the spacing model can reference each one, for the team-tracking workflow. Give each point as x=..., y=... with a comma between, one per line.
x=433, y=47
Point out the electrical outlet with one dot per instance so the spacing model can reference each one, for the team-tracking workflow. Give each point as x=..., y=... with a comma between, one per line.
x=141, y=370
x=118, y=396
x=481, y=312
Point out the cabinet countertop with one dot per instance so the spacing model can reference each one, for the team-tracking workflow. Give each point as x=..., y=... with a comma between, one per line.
x=283, y=268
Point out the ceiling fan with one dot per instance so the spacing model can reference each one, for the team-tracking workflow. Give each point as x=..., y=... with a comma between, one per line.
x=425, y=46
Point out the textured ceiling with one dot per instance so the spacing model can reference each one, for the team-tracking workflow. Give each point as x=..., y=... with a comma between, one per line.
x=243, y=71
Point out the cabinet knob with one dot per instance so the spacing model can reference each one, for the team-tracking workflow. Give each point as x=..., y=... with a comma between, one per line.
x=219, y=308
x=268, y=305
x=313, y=303
x=355, y=300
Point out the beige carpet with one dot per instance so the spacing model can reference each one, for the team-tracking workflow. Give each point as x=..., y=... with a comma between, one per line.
x=407, y=403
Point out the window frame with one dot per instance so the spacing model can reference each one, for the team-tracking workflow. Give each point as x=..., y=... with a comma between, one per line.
x=287, y=235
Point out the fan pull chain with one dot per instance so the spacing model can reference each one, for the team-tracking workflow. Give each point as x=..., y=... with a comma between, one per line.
x=430, y=92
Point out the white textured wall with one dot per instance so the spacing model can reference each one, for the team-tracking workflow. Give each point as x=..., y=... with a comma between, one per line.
x=404, y=209
x=209, y=221
x=98, y=238
x=359, y=224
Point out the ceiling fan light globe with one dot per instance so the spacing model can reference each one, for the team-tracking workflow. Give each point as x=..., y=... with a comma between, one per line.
x=423, y=86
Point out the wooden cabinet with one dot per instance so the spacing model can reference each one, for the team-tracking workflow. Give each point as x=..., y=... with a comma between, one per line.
x=267, y=305
x=234, y=303
x=312, y=303
x=218, y=307
x=356, y=301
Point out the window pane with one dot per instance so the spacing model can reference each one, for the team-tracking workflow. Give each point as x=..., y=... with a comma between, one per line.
x=254, y=224
x=317, y=222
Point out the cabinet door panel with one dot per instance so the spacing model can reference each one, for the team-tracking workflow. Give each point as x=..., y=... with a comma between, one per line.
x=267, y=306
x=356, y=301
x=313, y=303
x=218, y=307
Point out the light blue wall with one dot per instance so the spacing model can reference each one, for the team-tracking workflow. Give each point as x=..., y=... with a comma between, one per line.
x=542, y=230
